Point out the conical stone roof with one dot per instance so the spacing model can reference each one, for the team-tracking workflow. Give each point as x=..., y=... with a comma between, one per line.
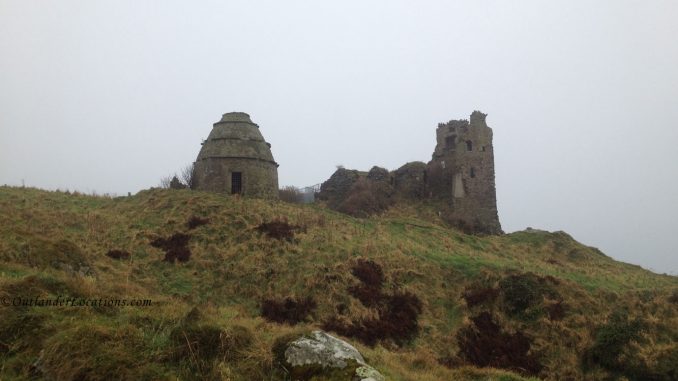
x=236, y=136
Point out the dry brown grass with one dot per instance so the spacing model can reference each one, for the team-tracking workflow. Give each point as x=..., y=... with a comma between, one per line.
x=233, y=268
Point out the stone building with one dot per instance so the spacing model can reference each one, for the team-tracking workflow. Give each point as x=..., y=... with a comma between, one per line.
x=461, y=173
x=236, y=159
x=458, y=181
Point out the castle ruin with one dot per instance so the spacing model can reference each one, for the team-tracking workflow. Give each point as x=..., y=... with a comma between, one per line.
x=458, y=181
x=461, y=172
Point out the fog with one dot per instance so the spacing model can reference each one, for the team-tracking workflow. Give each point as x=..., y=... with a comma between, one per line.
x=110, y=96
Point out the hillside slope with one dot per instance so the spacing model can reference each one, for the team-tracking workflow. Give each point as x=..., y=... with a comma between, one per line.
x=419, y=300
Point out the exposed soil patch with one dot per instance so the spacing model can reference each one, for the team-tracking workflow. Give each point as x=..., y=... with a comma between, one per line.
x=175, y=247
x=196, y=221
x=279, y=229
x=287, y=311
x=118, y=254
x=485, y=344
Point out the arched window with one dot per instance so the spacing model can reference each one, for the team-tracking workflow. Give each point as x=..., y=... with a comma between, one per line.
x=469, y=145
x=472, y=172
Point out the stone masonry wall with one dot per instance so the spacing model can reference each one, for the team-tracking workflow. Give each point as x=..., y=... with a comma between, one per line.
x=459, y=179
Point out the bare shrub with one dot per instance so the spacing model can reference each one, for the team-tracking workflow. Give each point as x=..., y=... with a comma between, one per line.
x=175, y=183
x=165, y=182
x=291, y=194
x=186, y=176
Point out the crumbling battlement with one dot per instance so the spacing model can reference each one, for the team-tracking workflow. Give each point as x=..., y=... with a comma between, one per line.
x=459, y=179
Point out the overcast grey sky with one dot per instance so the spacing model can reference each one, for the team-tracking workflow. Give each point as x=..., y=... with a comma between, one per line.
x=582, y=97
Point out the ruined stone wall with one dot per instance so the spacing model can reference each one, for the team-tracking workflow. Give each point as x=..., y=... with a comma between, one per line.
x=462, y=174
x=338, y=186
x=409, y=181
x=459, y=180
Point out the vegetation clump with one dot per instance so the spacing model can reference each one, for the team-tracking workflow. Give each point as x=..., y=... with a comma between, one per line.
x=278, y=229
x=556, y=311
x=34, y=250
x=175, y=247
x=288, y=310
x=397, y=313
x=97, y=353
x=118, y=254
x=371, y=276
x=484, y=343
x=405, y=290
x=477, y=296
x=523, y=291
x=199, y=345
x=674, y=297
x=611, y=340
x=196, y=221
x=291, y=195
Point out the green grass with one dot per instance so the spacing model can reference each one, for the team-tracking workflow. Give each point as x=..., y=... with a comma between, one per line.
x=233, y=267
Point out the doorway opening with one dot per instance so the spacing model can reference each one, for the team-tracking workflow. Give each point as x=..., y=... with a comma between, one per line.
x=236, y=182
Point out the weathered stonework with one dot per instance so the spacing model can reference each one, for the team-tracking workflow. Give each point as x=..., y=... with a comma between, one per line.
x=461, y=173
x=337, y=187
x=459, y=179
x=235, y=158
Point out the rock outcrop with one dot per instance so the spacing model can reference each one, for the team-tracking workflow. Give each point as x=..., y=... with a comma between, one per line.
x=320, y=356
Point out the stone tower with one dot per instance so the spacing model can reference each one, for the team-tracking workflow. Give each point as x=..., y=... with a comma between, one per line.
x=461, y=173
x=236, y=159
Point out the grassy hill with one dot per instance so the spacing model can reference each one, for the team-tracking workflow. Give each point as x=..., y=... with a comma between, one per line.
x=419, y=300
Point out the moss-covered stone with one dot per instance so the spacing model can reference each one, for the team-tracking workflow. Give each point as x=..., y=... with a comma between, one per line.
x=322, y=357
